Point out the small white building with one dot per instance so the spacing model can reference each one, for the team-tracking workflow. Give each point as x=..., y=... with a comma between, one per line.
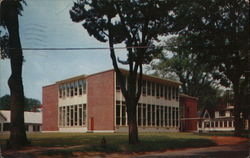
x=33, y=121
x=223, y=120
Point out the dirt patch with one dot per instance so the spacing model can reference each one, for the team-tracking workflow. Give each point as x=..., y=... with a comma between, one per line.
x=228, y=140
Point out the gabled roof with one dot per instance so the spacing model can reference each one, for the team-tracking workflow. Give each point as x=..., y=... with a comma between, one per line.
x=206, y=115
x=2, y=116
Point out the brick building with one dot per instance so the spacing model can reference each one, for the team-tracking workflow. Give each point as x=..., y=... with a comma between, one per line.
x=188, y=113
x=94, y=103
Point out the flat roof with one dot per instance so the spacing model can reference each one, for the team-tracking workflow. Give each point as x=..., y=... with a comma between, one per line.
x=145, y=76
x=29, y=117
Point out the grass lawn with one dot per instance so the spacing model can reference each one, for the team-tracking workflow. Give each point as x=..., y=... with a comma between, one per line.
x=115, y=142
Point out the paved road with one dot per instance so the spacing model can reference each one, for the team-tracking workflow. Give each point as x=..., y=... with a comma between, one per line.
x=240, y=150
x=226, y=151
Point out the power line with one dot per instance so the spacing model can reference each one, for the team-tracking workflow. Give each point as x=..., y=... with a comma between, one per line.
x=107, y=48
x=89, y=48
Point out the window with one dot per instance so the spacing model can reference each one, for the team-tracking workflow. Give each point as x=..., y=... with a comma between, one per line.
x=158, y=115
x=76, y=87
x=166, y=92
x=144, y=87
x=67, y=115
x=71, y=115
x=68, y=87
x=177, y=116
x=76, y=115
x=161, y=90
x=174, y=94
x=169, y=116
x=221, y=123
x=63, y=116
x=162, y=115
x=153, y=89
x=149, y=114
x=157, y=90
x=230, y=123
x=177, y=94
x=80, y=83
x=63, y=90
x=80, y=115
x=166, y=115
x=118, y=88
x=60, y=91
x=139, y=115
x=222, y=113
x=60, y=116
x=225, y=123
x=71, y=89
x=148, y=88
x=153, y=115
x=144, y=111
x=84, y=114
x=123, y=113
x=212, y=124
x=118, y=113
x=173, y=116
x=169, y=93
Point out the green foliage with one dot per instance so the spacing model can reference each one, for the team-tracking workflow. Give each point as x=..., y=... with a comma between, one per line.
x=4, y=37
x=218, y=31
x=196, y=77
x=135, y=23
x=30, y=103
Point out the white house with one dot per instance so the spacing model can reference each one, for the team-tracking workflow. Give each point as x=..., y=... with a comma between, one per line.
x=223, y=120
x=33, y=121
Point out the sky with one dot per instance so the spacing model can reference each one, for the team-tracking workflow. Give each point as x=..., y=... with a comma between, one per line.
x=47, y=24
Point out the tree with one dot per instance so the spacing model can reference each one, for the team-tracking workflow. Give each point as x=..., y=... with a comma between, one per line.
x=196, y=78
x=30, y=103
x=134, y=23
x=10, y=9
x=218, y=31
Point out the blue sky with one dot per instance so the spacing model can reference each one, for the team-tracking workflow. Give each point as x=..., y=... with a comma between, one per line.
x=46, y=24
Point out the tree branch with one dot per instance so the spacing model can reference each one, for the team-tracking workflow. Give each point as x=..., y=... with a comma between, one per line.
x=113, y=57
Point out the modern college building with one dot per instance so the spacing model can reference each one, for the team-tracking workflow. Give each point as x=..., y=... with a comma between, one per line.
x=94, y=103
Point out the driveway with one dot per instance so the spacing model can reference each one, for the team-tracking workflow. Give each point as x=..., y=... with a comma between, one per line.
x=240, y=150
x=228, y=147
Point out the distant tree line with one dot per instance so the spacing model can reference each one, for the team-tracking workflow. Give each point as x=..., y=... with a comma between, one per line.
x=31, y=104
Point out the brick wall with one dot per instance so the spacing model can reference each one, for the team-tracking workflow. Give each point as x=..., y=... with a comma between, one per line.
x=190, y=106
x=50, y=108
x=101, y=101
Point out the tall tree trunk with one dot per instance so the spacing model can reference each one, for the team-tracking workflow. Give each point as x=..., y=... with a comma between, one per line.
x=17, y=132
x=132, y=120
x=238, y=121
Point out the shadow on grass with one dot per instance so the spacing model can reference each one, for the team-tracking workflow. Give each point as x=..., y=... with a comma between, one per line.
x=143, y=146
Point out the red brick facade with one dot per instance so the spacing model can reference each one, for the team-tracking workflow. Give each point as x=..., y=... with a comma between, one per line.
x=101, y=101
x=189, y=109
x=50, y=108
